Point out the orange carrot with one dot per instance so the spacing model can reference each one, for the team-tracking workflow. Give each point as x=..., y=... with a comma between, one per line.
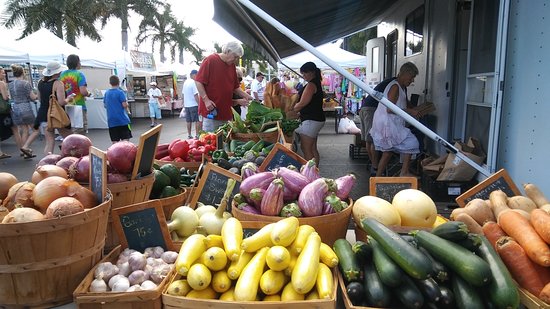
x=519, y=228
x=540, y=220
x=519, y=264
x=545, y=294
x=493, y=232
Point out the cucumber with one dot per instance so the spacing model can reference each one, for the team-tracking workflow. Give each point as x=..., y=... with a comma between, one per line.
x=472, y=242
x=467, y=265
x=439, y=272
x=502, y=290
x=409, y=295
x=377, y=293
x=429, y=289
x=356, y=293
x=451, y=230
x=412, y=261
x=466, y=295
x=389, y=272
x=362, y=250
x=447, y=299
x=347, y=261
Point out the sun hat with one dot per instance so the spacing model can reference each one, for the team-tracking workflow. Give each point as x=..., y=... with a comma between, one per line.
x=53, y=68
x=153, y=83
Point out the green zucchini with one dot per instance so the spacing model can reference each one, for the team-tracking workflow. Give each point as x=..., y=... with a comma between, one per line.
x=472, y=242
x=412, y=261
x=377, y=293
x=347, y=261
x=451, y=230
x=429, y=289
x=502, y=290
x=362, y=250
x=466, y=295
x=409, y=295
x=439, y=272
x=356, y=293
x=466, y=264
x=390, y=273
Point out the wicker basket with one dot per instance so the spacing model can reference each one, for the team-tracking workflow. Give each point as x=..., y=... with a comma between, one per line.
x=42, y=262
x=360, y=234
x=192, y=166
x=117, y=300
x=124, y=194
x=173, y=202
x=272, y=137
x=330, y=227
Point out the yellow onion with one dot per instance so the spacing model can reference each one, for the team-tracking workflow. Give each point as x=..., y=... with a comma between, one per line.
x=63, y=206
x=81, y=193
x=46, y=171
x=7, y=180
x=23, y=214
x=20, y=195
x=48, y=190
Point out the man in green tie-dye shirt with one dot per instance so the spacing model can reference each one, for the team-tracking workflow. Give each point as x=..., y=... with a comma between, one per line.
x=75, y=84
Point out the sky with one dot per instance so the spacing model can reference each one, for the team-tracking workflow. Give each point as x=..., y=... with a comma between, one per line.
x=194, y=13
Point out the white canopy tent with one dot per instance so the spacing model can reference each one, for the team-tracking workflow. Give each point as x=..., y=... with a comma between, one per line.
x=9, y=56
x=343, y=57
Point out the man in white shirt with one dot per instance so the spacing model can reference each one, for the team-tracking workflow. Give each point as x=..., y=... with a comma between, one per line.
x=190, y=95
x=258, y=87
x=154, y=107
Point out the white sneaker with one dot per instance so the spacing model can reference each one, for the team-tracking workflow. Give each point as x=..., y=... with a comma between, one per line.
x=59, y=138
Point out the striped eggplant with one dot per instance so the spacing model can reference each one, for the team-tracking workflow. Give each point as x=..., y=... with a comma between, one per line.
x=332, y=204
x=272, y=203
x=289, y=195
x=292, y=179
x=311, y=198
x=291, y=210
x=310, y=170
x=248, y=208
x=258, y=180
x=256, y=196
x=344, y=185
x=248, y=170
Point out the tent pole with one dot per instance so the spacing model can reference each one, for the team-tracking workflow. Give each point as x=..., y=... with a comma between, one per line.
x=378, y=95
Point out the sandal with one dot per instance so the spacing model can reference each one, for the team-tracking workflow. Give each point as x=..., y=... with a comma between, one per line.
x=28, y=153
x=4, y=156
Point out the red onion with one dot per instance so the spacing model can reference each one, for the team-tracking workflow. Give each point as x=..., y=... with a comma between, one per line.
x=49, y=159
x=75, y=145
x=80, y=170
x=121, y=156
x=66, y=163
x=115, y=178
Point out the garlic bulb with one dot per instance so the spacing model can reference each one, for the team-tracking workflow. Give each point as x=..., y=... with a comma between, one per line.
x=148, y=285
x=105, y=271
x=98, y=285
x=121, y=285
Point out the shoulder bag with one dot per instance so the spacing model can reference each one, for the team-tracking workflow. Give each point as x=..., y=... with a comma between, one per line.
x=5, y=106
x=57, y=117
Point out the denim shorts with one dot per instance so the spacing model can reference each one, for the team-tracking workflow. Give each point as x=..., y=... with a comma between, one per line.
x=192, y=114
x=154, y=110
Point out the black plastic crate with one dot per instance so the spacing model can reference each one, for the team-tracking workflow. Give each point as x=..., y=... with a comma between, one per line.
x=444, y=191
x=357, y=152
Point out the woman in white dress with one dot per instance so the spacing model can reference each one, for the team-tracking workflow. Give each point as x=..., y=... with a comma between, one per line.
x=388, y=131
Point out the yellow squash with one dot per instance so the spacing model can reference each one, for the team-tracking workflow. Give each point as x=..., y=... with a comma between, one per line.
x=300, y=240
x=221, y=282
x=236, y=267
x=272, y=282
x=232, y=236
x=199, y=277
x=327, y=255
x=207, y=293
x=324, y=282
x=190, y=251
x=214, y=258
x=304, y=273
x=228, y=295
x=290, y=294
x=260, y=239
x=278, y=258
x=213, y=241
x=284, y=232
x=246, y=288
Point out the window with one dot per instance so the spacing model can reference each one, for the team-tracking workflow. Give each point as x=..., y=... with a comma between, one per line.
x=414, y=31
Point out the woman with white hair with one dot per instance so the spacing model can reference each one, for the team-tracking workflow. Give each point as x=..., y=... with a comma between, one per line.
x=217, y=81
x=389, y=133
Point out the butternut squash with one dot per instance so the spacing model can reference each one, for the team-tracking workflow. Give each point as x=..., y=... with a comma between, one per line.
x=499, y=202
x=522, y=202
x=472, y=224
x=535, y=194
x=479, y=211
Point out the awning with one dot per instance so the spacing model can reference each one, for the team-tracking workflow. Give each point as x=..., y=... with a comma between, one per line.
x=317, y=22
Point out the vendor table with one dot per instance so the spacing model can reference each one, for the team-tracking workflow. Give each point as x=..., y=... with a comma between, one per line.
x=337, y=111
x=97, y=114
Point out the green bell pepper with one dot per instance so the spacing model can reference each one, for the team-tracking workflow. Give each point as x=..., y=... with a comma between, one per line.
x=220, y=153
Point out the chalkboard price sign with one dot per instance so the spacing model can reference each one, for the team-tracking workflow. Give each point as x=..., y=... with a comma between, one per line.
x=142, y=225
x=251, y=227
x=387, y=187
x=498, y=181
x=98, y=173
x=212, y=185
x=219, y=139
x=147, y=147
x=281, y=156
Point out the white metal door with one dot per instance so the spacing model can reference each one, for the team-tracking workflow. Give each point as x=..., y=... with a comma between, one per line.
x=485, y=77
x=376, y=50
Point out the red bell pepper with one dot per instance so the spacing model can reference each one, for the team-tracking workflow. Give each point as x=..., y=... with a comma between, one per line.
x=178, y=149
x=166, y=159
x=208, y=139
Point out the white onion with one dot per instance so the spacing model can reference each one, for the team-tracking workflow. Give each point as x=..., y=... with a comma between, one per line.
x=23, y=214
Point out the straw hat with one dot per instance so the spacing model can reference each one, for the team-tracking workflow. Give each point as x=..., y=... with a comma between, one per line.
x=53, y=68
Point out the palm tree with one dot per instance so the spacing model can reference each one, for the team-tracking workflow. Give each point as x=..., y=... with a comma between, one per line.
x=181, y=43
x=121, y=9
x=66, y=19
x=158, y=28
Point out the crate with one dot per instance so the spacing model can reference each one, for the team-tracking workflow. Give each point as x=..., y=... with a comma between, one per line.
x=192, y=166
x=530, y=301
x=357, y=152
x=345, y=298
x=330, y=227
x=117, y=300
x=181, y=302
x=42, y=262
x=444, y=191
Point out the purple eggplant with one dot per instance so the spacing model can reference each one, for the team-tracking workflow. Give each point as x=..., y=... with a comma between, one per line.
x=311, y=198
x=344, y=185
x=310, y=170
x=258, y=180
x=327, y=209
x=292, y=179
x=248, y=170
x=291, y=210
x=256, y=196
x=289, y=195
x=334, y=202
x=272, y=202
x=248, y=208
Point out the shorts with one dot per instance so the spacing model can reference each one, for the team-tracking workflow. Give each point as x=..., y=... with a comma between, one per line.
x=310, y=128
x=366, y=114
x=154, y=110
x=22, y=114
x=211, y=125
x=192, y=114
x=119, y=133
